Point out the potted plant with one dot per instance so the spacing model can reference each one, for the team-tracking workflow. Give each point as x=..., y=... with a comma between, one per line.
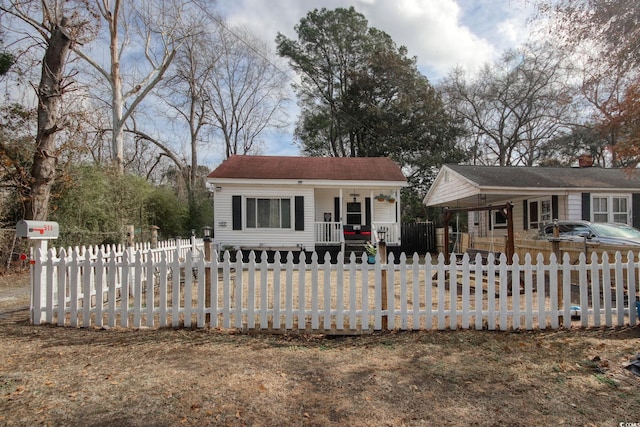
x=371, y=250
x=381, y=197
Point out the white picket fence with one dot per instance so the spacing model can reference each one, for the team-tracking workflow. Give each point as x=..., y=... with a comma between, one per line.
x=170, y=247
x=178, y=287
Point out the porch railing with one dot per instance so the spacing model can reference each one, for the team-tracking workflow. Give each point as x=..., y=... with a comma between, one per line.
x=391, y=230
x=328, y=233
x=331, y=233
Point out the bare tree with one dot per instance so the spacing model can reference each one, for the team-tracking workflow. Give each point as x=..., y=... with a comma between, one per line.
x=59, y=25
x=185, y=92
x=156, y=29
x=512, y=106
x=223, y=82
x=606, y=31
x=246, y=91
x=601, y=38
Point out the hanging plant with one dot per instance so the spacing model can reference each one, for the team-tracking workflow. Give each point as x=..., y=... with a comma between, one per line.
x=381, y=197
x=392, y=200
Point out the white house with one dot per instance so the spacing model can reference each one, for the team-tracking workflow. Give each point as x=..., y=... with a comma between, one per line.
x=278, y=203
x=538, y=194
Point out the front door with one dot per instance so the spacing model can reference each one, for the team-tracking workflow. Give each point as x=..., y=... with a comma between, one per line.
x=354, y=213
x=354, y=227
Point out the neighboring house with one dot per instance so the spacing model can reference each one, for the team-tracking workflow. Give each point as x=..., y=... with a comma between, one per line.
x=278, y=203
x=539, y=195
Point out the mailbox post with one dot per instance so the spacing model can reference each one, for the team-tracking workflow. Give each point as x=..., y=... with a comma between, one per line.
x=37, y=230
x=40, y=232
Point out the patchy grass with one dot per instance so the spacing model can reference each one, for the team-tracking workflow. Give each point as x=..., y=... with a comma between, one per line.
x=64, y=376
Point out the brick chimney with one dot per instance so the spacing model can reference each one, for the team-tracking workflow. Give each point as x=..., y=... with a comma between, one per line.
x=585, y=160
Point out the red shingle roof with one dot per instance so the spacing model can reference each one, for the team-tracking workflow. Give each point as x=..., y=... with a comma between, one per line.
x=330, y=168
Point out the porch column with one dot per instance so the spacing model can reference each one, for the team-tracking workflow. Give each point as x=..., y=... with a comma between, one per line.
x=372, y=198
x=398, y=219
x=342, y=242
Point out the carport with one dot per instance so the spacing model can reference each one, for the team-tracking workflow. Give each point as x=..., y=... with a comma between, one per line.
x=507, y=211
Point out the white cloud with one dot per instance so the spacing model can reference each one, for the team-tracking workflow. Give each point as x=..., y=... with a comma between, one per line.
x=432, y=31
x=443, y=34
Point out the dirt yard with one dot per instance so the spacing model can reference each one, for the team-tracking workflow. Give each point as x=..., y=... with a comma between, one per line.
x=62, y=376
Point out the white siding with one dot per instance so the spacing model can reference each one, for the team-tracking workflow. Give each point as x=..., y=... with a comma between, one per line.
x=518, y=216
x=574, y=207
x=474, y=229
x=382, y=211
x=562, y=207
x=450, y=188
x=225, y=235
x=324, y=204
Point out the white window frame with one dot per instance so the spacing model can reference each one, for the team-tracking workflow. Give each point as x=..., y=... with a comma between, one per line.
x=544, y=216
x=256, y=226
x=495, y=224
x=608, y=214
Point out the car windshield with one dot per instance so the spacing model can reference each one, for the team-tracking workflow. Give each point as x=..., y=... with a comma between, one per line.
x=615, y=230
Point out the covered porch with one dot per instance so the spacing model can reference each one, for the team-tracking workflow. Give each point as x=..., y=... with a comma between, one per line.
x=345, y=216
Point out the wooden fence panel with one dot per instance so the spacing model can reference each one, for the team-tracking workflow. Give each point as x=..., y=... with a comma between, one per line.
x=418, y=238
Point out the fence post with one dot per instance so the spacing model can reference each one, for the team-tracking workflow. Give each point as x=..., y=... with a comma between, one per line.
x=38, y=280
x=193, y=241
x=131, y=247
x=207, y=275
x=154, y=236
x=382, y=250
x=555, y=249
x=130, y=235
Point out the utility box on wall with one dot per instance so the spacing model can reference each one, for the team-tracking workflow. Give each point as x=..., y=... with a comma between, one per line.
x=37, y=230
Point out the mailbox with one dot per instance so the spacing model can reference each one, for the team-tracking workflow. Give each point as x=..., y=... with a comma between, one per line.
x=37, y=230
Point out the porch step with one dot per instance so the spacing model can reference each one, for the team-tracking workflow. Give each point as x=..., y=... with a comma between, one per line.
x=354, y=246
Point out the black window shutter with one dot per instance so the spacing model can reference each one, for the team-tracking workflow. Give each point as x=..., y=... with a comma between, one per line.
x=236, y=212
x=336, y=209
x=635, y=210
x=525, y=215
x=299, y=213
x=586, y=206
x=367, y=210
x=554, y=207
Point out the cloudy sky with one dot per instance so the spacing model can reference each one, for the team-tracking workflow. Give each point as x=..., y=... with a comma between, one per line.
x=442, y=34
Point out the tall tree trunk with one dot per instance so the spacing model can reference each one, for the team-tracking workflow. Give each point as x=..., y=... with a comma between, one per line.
x=117, y=134
x=45, y=157
x=117, y=99
x=194, y=127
